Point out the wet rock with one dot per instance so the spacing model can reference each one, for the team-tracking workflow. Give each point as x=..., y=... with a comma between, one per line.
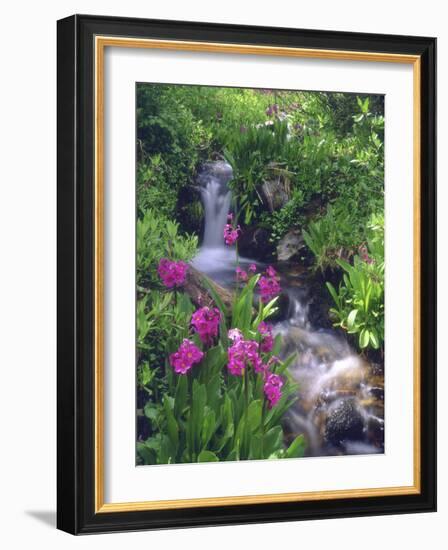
x=344, y=422
x=290, y=245
x=276, y=193
x=254, y=243
x=220, y=170
x=375, y=431
x=197, y=287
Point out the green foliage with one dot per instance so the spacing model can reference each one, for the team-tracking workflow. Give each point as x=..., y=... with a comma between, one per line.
x=209, y=415
x=329, y=145
x=333, y=236
x=251, y=153
x=161, y=315
x=169, y=145
x=359, y=301
x=159, y=237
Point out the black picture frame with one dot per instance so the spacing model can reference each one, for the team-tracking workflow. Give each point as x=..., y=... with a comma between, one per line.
x=76, y=264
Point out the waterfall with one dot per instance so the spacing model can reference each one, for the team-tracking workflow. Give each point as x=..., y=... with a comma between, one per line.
x=216, y=196
x=215, y=258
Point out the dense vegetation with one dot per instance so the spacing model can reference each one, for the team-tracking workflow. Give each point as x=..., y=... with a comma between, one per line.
x=303, y=161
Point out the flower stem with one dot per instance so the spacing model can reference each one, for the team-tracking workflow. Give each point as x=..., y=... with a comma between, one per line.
x=263, y=404
x=246, y=412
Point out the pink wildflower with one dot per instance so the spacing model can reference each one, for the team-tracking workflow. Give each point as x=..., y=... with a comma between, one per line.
x=235, y=334
x=230, y=216
x=231, y=234
x=206, y=323
x=269, y=285
x=272, y=109
x=252, y=268
x=241, y=275
x=365, y=255
x=172, y=273
x=185, y=357
x=267, y=342
x=242, y=354
x=273, y=389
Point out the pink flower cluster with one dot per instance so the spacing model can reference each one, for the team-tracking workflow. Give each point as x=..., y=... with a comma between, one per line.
x=242, y=275
x=273, y=388
x=172, y=273
x=231, y=233
x=272, y=110
x=269, y=285
x=243, y=353
x=185, y=357
x=205, y=322
x=267, y=342
x=365, y=255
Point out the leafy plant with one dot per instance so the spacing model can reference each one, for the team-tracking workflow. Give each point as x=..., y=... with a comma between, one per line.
x=159, y=237
x=331, y=237
x=359, y=300
x=250, y=152
x=209, y=414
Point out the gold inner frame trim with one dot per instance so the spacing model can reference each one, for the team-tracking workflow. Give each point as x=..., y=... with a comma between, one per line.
x=101, y=42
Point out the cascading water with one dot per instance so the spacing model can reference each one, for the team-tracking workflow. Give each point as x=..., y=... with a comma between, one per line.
x=213, y=180
x=340, y=407
x=215, y=258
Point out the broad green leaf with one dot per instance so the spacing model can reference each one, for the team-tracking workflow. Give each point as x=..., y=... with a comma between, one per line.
x=351, y=318
x=172, y=427
x=364, y=337
x=180, y=400
x=297, y=448
x=207, y=456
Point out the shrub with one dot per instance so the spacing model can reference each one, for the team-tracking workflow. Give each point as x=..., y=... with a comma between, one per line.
x=159, y=237
x=359, y=301
x=335, y=235
x=161, y=314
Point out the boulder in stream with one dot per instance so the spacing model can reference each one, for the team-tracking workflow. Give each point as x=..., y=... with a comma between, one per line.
x=290, y=245
x=254, y=243
x=345, y=422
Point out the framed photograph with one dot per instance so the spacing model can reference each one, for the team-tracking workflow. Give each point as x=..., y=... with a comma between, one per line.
x=246, y=274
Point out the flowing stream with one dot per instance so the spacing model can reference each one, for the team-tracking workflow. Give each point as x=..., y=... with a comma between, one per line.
x=340, y=407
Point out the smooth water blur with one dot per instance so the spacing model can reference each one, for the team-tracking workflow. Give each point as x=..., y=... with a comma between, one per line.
x=340, y=406
x=215, y=258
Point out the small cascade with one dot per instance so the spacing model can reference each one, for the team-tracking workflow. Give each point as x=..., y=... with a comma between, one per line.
x=215, y=258
x=213, y=180
x=340, y=407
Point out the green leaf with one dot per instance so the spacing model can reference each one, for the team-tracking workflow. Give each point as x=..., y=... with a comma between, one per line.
x=273, y=440
x=197, y=409
x=254, y=415
x=180, y=400
x=364, y=337
x=207, y=456
x=208, y=426
x=351, y=318
x=172, y=427
x=151, y=411
x=297, y=448
x=145, y=453
x=374, y=339
x=333, y=293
